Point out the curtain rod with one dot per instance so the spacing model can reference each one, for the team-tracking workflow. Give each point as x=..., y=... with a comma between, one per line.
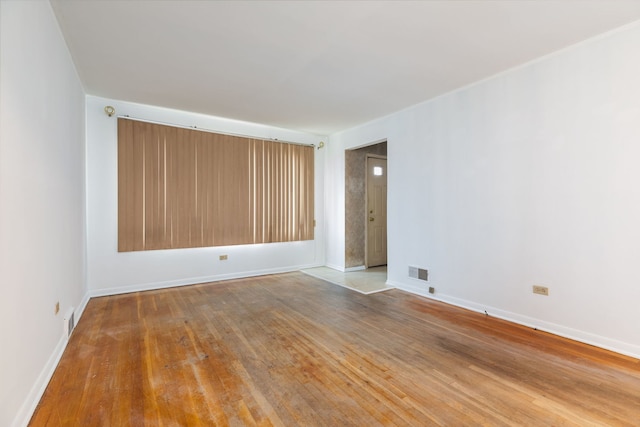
x=126, y=116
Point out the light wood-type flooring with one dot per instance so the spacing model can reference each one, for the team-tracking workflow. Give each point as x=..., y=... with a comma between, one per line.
x=293, y=350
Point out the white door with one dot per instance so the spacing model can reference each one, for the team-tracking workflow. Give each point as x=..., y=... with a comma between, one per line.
x=376, y=211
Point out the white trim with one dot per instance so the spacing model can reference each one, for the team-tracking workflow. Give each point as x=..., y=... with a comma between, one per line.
x=35, y=394
x=81, y=307
x=624, y=348
x=194, y=281
x=335, y=267
x=23, y=417
x=358, y=268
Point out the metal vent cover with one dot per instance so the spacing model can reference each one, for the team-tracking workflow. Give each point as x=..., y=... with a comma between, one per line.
x=69, y=322
x=419, y=273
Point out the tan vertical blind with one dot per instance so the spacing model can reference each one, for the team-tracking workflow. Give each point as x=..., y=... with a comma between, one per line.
x=182, y=188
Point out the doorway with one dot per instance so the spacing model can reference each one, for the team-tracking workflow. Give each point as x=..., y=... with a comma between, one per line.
x=356, y=209
x=376, y=194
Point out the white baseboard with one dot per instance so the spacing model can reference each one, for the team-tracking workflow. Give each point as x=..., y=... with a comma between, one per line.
x=358, y=268
x=336, y=267
x=194, y=280
x=35, y=394
x=82, y=306
x=624, y=348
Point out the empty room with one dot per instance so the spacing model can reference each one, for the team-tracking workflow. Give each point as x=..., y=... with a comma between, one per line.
x=319, y=213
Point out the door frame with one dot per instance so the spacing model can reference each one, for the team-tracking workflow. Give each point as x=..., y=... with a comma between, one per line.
x=366, y=205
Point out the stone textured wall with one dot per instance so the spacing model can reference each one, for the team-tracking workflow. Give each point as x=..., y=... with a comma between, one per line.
x=355, y=203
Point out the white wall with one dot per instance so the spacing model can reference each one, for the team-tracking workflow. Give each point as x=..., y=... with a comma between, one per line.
x=112, y=272
x=530, y=177
x=41, y=201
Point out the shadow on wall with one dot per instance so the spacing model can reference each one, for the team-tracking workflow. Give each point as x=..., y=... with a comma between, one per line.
x=355, y=203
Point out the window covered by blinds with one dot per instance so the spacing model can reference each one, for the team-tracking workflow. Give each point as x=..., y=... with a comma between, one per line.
x=184, y=188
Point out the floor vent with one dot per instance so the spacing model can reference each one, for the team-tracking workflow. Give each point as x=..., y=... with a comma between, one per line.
x=418, y=273
x=69, y=322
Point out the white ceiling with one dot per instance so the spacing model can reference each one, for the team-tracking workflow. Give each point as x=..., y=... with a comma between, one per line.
x=313, y=66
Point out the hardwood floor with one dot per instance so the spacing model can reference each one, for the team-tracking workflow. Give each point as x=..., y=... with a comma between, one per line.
x=290, y=350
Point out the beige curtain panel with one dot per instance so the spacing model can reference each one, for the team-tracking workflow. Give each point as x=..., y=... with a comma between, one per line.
x=184, y=188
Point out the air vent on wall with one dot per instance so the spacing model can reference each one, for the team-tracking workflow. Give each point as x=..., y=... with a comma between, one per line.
x=419, y=273
x=69, y=322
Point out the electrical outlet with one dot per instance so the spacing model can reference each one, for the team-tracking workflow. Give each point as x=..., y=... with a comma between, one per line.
x=57, y=309
x=432, y=290
x=223, y=257
x=540, y=290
